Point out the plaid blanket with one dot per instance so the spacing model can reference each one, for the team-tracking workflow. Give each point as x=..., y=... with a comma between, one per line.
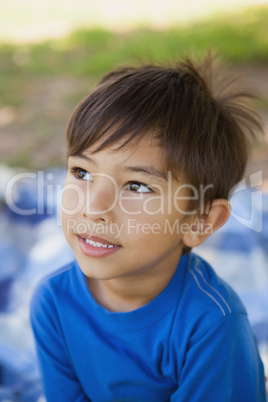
x=32, y=245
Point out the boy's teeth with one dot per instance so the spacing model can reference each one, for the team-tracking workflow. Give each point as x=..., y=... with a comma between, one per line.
x=96, y=244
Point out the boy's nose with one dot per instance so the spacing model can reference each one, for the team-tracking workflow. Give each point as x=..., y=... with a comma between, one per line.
x=100, y=201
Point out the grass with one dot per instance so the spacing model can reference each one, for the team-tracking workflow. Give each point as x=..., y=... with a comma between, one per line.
x=238, y=38
x=87, y=54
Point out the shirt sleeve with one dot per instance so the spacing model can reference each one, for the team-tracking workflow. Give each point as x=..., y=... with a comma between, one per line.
x=223, y=365
x=59, y=381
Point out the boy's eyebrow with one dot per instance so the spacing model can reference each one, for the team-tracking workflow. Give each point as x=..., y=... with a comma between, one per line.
x=149, y=170
x=84, y=156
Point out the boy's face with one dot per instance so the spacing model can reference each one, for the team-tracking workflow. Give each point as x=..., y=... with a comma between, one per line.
x=120, y=215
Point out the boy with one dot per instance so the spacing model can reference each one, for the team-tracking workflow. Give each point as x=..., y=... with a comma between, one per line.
x=152, y=157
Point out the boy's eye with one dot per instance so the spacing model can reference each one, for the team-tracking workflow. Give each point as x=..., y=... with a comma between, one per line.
x=82, y=174
x=138, y=187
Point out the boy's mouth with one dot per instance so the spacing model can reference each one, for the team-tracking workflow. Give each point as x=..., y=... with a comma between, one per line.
x=94, y=246
x=98, y=244
x=96, y=241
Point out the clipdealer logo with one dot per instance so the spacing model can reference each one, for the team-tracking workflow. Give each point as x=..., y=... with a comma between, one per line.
x=133, y=227
x=48, y=197
x=253, y=220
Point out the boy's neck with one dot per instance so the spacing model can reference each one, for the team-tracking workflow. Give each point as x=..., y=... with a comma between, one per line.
x=124, y=294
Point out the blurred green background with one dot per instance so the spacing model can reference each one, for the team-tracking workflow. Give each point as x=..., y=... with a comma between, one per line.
x=52, y=52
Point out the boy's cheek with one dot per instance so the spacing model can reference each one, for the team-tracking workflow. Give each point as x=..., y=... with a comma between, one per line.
x=129, y=205
x=68, y=225
x=72, y=201
x=150, y=206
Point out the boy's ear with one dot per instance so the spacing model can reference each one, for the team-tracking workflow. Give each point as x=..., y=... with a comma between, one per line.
x=204, y=226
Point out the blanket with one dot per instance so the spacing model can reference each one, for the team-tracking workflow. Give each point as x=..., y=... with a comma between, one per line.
x=32, y=246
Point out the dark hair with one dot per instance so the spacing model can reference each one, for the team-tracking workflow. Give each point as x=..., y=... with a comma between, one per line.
x=203, y=125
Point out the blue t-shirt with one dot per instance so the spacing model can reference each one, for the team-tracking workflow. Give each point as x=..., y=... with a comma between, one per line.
x=192, y=343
